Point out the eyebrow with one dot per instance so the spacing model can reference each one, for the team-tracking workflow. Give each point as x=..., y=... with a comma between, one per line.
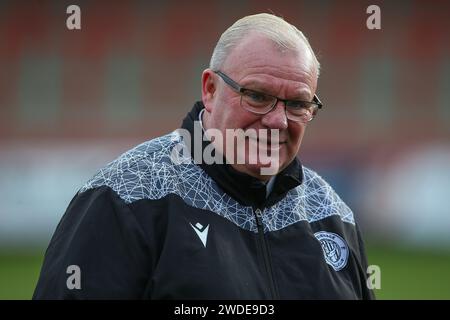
x=260, y=87
x=257, y=85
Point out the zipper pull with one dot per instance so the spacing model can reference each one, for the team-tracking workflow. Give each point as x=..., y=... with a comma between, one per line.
x=258, y=214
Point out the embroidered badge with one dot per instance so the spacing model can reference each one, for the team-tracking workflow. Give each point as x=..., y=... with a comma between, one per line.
x=335, y=250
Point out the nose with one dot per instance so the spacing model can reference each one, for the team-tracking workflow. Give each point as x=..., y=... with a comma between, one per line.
x=276, y=118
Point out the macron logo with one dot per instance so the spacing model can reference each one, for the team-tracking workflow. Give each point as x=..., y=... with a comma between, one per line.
x=201, y=231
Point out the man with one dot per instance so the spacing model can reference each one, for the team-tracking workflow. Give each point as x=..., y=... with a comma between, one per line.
x=160, y=223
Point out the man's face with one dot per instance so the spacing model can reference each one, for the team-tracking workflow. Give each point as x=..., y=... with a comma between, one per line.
x=257, y=63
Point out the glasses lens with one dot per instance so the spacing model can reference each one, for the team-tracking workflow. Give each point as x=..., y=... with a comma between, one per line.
x=257, y=102
x=260, y=103
x=301, y=111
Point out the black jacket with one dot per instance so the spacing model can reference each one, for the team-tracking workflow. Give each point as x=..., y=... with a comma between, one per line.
x=146, y=227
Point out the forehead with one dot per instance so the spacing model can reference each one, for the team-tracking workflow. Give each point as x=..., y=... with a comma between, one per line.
x=257, y=59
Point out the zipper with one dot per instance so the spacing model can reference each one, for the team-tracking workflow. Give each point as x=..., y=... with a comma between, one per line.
x=265, y=249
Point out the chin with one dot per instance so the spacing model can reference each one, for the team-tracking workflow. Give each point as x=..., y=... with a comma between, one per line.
x=262, y=171
x=266, y=167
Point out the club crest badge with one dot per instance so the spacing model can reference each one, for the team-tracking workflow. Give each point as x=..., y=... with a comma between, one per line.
x=335, y=249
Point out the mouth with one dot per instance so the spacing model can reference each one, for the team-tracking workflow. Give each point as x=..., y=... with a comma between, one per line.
x=267, y=142
x=264, y=144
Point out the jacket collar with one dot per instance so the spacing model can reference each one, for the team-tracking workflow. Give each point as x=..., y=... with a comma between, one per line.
x=245, y=189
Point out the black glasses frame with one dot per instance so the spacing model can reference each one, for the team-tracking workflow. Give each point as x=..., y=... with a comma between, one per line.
x=238, y=88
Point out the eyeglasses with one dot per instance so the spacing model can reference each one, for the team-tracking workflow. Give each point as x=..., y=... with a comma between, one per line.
x=262, y=103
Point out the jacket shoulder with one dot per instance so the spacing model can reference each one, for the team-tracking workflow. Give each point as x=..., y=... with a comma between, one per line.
x=320, y=199
x=140, y=172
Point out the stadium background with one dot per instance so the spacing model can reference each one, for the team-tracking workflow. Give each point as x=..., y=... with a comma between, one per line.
x=71, y=101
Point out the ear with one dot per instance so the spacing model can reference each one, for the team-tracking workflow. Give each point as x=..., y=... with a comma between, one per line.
x=208, y=89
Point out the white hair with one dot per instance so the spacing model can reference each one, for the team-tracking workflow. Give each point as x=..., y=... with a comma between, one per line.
x=274, y=28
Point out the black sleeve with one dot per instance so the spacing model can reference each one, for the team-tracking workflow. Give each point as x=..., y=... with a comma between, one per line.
x=101, y=235
x=367, y=293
